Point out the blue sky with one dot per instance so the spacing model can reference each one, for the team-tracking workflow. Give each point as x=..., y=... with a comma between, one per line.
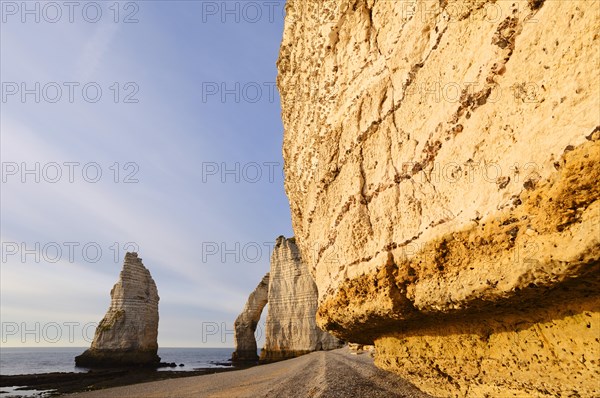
x=132, y=145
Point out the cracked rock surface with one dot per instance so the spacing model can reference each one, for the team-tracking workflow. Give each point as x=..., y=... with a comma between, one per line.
x=441, y=163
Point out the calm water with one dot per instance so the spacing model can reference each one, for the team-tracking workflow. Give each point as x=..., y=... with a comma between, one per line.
x=45, y=360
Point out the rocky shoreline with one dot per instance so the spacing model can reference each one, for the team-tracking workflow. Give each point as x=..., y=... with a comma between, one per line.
x=68, y=383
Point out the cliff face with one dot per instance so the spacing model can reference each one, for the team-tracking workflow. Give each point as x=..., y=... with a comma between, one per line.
x=291, y=328
x=245, y=324
x=441, y=163
x=127, y=335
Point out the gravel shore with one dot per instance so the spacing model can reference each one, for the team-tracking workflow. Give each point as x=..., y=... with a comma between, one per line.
x=330, y=374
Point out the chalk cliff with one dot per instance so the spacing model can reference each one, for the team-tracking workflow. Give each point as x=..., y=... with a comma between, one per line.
x=441, y=163
x=127, y=335
x=246, y=323
x=291, y=329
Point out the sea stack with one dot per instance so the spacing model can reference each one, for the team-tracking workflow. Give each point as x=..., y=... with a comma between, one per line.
x=246, y=322
x=291, y=328
x=127, y=335
x=442, y=169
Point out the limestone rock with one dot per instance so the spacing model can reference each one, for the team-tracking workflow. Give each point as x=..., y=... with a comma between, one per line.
x=246, y=323
x=291, y=328
x=127, y=335
x=441, y=163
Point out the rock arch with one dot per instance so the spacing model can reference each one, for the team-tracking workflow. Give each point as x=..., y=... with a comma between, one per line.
x=291, y=328
x=246, y=322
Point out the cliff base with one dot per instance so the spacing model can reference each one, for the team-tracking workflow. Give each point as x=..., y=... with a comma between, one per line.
x=547, y=348
x=97, y=358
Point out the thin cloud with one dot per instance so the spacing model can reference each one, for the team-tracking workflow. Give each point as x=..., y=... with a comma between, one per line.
x=95, y=50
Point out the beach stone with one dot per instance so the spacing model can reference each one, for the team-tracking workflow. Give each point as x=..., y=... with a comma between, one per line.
x=127, y=335
x=441, y=162
x=246, y=323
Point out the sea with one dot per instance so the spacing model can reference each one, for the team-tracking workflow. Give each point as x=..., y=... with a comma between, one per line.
x=16, y=361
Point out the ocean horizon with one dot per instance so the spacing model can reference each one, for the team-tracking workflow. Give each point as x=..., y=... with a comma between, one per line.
x=36, y=360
